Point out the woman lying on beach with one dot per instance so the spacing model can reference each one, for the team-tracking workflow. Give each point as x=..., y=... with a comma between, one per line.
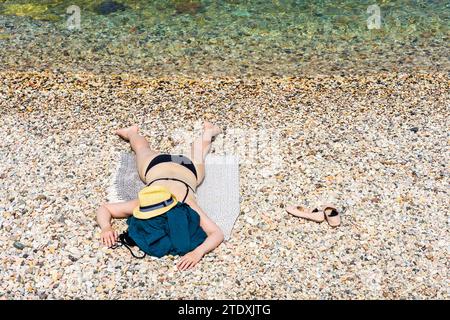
x=158, y=222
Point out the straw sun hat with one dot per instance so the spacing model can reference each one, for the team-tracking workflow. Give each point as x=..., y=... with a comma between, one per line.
x=154, y=201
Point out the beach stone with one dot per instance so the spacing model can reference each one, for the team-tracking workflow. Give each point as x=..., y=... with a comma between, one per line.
x=18, y=245
x=72, y=258
x=41, y=197
x=107, y=7
x=241, y=13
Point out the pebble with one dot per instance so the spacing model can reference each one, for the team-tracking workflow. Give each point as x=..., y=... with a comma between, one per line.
x=72, y=258
x=41, y=197
x=18, y=245
x=108, y=7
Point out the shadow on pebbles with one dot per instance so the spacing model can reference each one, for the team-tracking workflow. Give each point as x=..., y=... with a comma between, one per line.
x=374, y=145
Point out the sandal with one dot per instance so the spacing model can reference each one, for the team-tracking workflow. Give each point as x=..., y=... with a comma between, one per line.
x=331, y=215
x=315, y=214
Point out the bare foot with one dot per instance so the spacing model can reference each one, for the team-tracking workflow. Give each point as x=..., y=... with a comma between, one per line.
x=210, y=130
x=125, y=132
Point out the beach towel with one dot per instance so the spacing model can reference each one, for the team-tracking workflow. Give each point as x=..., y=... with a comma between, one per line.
x=218, y=195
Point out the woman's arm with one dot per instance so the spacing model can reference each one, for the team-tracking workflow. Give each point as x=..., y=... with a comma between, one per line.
x=215, y=237
x=108, y=211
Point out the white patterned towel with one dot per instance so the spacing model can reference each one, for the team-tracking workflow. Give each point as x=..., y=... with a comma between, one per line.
x=218, y=195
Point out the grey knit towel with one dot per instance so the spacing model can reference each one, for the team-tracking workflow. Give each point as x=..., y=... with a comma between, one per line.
x=218, y=195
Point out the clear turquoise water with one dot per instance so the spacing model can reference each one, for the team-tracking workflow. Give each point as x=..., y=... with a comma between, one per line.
x=226, y=38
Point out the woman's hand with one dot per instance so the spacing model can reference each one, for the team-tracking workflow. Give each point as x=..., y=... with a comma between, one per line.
x=108, y=211
x=189, y=260
x=108, y=236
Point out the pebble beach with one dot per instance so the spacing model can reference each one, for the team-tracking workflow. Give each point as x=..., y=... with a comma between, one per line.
x=375, y=144
x=323, y=101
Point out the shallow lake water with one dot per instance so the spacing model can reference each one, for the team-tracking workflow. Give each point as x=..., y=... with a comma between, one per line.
x=225, y=38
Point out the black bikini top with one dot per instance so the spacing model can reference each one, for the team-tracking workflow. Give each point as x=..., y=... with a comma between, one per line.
x=175, y=179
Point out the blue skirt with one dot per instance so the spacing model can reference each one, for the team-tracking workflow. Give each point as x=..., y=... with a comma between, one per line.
x=175, y=232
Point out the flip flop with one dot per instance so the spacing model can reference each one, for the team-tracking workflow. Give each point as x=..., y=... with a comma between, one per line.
x=315, y=214
x=331, y=215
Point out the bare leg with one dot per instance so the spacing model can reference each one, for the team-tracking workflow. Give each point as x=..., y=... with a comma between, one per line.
x=140, y=146
x=201, y=147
